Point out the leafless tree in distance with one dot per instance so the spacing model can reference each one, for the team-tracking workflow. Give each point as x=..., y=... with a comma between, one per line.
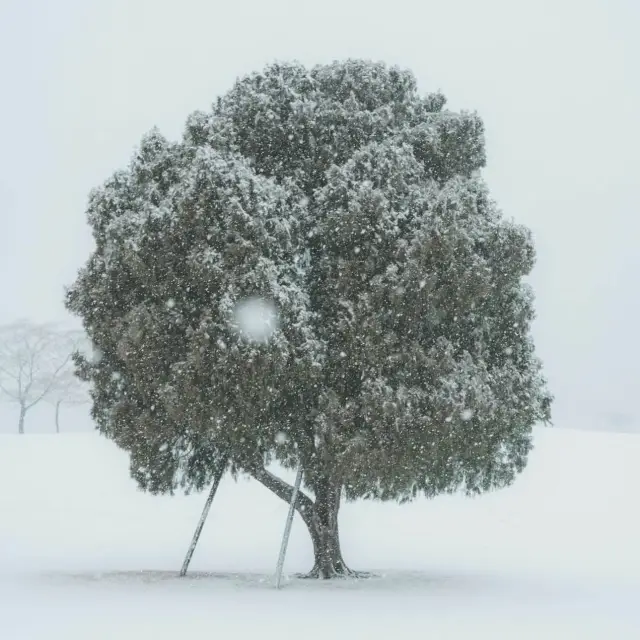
x=68, y=388
x=34, y=360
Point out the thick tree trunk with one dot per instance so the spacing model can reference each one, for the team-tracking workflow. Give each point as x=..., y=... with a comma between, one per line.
x=23, y=413
x=325, y=535
x=321, y=518
x=58, y=416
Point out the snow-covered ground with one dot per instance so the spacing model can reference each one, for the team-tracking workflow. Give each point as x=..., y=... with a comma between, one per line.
x=85, y=556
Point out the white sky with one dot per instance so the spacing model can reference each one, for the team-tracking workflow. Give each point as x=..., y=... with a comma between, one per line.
x=556, y=82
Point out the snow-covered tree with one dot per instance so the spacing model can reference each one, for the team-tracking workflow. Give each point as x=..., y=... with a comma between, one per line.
x=402, y=362
x=35, y=359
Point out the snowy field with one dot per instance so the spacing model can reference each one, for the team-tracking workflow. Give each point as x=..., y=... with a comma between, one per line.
x=85, y=556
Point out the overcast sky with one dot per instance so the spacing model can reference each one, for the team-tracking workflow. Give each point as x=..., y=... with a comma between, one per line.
x=556, y=82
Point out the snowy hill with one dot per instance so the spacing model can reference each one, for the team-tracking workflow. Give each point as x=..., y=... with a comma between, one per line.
x=555, y=556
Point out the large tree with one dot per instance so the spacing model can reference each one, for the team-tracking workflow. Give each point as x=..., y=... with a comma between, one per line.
x=402, y=364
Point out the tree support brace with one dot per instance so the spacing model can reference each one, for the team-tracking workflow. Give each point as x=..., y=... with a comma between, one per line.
x=205, y=512
x=287, y=528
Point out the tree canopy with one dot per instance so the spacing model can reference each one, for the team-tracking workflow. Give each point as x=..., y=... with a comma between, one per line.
x=402, y=363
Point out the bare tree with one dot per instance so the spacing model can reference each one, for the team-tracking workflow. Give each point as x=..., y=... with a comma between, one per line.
x=34, y=358
x=68, y=388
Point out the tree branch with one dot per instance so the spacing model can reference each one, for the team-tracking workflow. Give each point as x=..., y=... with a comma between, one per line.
x=304, y=505
x=52, y=381
x=7, y=372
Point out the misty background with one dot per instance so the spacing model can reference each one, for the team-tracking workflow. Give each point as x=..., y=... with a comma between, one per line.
x=556, y=83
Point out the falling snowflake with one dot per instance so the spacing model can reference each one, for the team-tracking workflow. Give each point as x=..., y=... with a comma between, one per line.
x=256, y=319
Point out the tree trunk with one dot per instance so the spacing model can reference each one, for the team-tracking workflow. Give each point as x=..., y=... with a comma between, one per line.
x=321, y=518
x=325, y=534
x=23, y=413
x=58, y=416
